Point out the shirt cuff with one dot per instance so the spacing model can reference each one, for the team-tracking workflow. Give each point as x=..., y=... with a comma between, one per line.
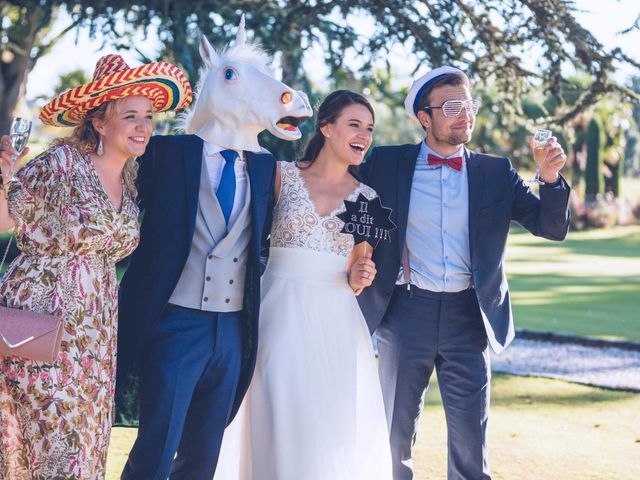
x=557, y=185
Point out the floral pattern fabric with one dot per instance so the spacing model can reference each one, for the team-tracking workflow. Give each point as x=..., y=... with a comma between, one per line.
x=55, y=419
x=297, y=224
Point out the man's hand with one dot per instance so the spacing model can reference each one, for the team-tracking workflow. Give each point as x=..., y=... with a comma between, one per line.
x=549, y=159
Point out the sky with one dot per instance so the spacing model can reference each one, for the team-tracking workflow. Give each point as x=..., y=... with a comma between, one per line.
x=604, y=18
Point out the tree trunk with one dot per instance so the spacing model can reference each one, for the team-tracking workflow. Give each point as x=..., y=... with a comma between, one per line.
x=16, y=61
x=13, y=77
x=291, y=68
x=594, y=179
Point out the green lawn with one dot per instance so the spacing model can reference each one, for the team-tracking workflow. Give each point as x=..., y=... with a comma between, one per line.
x=587, y=285
x=542, y=429
x=538, y=430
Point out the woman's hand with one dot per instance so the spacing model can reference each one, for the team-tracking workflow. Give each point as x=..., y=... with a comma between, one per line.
x=9, y=158
x=8, y=155
x=362, y=273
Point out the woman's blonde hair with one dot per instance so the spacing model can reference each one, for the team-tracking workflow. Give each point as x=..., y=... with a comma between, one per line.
x=85, y=139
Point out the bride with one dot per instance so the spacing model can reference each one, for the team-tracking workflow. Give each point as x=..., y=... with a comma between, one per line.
x=314, y=409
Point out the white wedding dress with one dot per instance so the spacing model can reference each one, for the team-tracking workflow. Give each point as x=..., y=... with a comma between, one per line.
x=314, y=409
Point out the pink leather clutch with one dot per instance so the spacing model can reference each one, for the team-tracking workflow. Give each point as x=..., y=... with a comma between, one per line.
x=31, y=335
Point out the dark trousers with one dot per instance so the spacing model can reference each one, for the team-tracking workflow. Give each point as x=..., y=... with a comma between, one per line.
x=420, y=331
x=188, y=383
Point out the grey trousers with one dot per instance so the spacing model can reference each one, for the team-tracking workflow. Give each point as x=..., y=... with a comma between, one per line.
x=422, y=330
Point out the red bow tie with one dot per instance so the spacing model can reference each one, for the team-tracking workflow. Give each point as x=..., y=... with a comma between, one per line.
x=455, y=162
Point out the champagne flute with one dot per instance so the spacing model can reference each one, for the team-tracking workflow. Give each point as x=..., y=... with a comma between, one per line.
x=540, y=138
x=19, y=134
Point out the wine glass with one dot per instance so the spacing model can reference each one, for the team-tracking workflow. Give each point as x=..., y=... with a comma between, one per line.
x=19, y=134
x=540, y=138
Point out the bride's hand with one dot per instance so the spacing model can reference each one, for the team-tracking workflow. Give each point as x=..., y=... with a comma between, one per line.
x=362, y=273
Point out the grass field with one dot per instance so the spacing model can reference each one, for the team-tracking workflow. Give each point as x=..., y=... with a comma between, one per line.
x=538, y=430
x=587, y=285
x=543, y=429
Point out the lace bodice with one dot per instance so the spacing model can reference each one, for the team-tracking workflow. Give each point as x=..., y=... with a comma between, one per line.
x=296, y=224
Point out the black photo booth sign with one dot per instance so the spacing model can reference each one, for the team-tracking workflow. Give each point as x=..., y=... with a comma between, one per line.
x=367, y=220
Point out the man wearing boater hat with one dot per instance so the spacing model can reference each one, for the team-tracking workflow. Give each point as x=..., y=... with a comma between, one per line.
x=440, y=297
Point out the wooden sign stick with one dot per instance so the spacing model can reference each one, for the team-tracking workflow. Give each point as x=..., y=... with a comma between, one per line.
x=362, y=249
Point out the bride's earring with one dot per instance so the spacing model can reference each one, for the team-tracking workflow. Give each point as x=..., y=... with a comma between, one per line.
x=100, y=150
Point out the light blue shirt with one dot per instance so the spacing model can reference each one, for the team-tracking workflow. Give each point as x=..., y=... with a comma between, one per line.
x=438, y=226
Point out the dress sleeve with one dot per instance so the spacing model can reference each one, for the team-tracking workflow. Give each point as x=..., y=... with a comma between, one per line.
x=36, y=202
x=368, y=192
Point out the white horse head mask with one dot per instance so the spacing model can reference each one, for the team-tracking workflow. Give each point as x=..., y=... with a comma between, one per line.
x=238, y=97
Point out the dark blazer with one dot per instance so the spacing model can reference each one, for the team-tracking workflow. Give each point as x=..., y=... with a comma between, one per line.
x=168, y=185
x=497, y=195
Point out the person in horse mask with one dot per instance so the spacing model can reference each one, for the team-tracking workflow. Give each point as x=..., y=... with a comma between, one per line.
x=190, y=298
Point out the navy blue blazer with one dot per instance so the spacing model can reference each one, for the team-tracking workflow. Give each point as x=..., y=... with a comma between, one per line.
x=497, y=195
x=168, y=186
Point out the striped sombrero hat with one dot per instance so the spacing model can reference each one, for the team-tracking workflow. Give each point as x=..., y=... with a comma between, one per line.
x=164, y=84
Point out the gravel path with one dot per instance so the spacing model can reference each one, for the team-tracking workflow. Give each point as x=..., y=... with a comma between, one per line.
x=614, y=365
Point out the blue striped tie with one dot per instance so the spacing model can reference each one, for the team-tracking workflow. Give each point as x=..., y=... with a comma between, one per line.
x=227, y=187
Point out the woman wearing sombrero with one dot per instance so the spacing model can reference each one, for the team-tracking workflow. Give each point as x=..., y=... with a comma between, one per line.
x=74, y=212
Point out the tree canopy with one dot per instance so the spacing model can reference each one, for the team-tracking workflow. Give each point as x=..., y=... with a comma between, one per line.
x=515, y=45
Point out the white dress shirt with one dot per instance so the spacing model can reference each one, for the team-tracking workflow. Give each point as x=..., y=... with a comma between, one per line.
x=214, y=162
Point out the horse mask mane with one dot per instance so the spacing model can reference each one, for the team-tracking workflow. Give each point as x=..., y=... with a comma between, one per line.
x=238, y=97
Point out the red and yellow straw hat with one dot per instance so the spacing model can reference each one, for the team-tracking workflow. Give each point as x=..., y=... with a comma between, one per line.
x=164, y=84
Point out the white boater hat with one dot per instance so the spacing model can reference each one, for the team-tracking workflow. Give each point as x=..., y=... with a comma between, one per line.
x=420, y=85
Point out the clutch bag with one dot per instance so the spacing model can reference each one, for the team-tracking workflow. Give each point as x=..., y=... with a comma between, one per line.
x=31, y=335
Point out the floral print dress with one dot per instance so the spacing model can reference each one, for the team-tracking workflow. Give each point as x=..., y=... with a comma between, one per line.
x=55, y=419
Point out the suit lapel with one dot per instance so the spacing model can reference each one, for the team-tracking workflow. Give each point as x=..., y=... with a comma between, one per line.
x=252, y=171
x=475, y=179
x=406, y=168
x=192, y=160
x=255, y=171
